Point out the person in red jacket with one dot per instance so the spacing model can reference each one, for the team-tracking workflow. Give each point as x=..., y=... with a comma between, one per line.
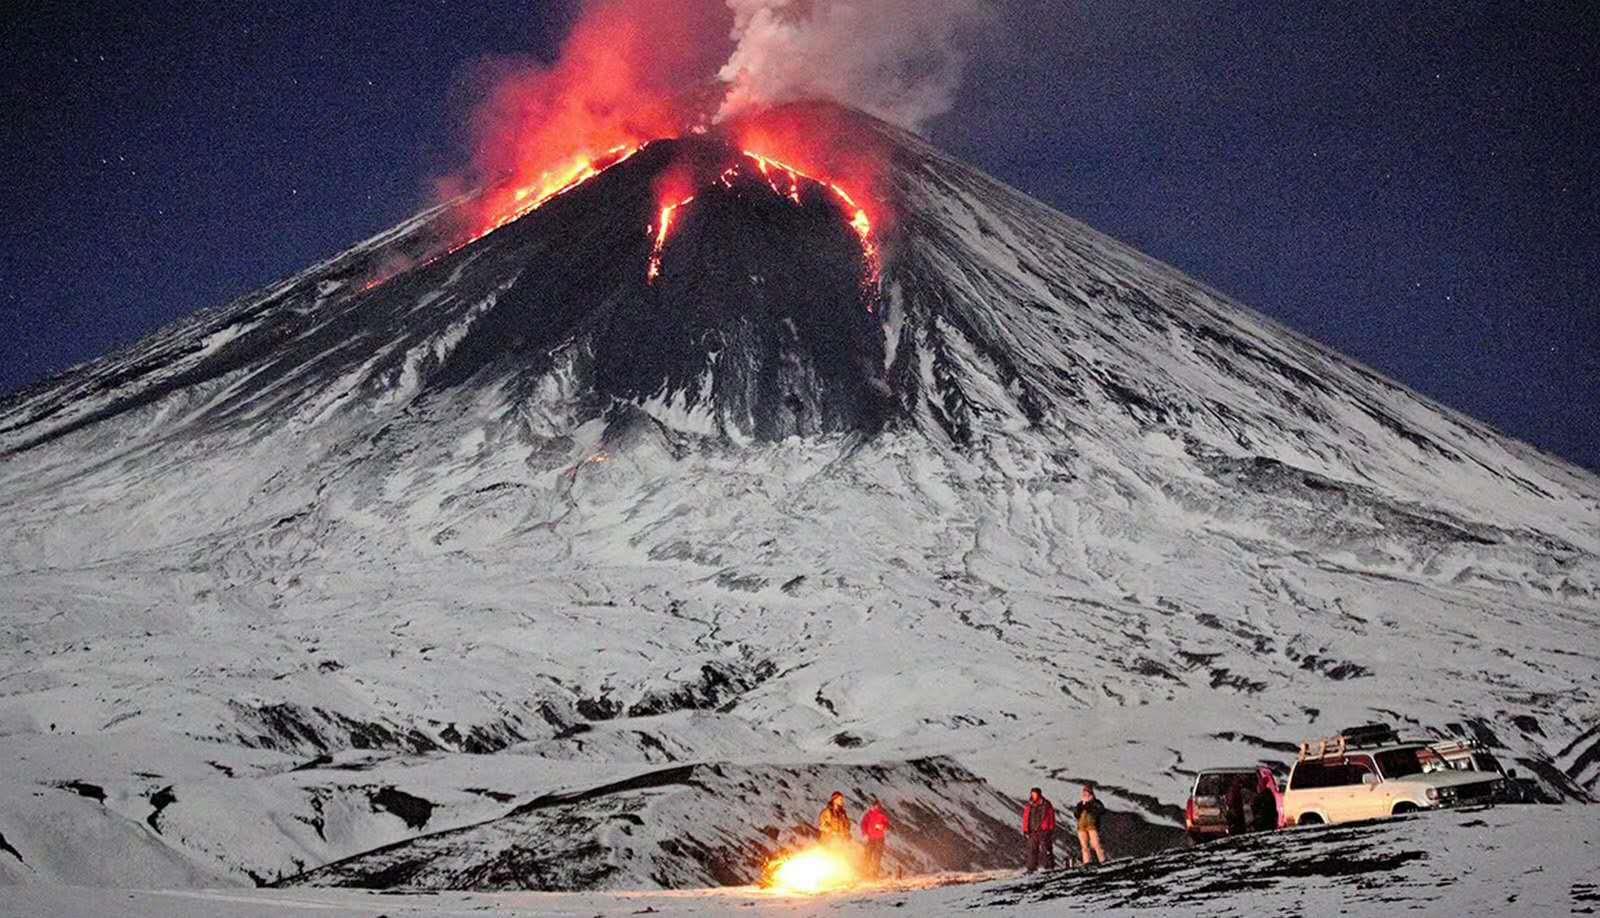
x=875, y=829
x=1039, y=826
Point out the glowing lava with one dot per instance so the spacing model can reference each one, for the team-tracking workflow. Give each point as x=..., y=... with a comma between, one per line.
x=859, y=221
x=663, y=230
x=506, y=205
x=812, y=871
x=771, y=170
x=498, y=206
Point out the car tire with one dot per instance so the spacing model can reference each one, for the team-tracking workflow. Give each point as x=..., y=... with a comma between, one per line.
x=1404, y=807
x=1310, y=819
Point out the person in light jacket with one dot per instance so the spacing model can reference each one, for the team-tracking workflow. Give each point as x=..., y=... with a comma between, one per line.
x=834, y=823
x=1088, y=813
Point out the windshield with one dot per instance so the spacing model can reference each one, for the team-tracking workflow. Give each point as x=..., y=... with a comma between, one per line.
x=1399, y=763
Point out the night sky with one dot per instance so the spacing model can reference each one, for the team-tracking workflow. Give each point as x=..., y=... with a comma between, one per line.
x=1411, y=183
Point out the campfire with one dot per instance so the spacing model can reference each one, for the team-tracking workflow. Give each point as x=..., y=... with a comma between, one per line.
x=811, y=871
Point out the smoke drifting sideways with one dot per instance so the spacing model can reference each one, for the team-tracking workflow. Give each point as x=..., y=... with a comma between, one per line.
x=899, y=60
x=632, y=71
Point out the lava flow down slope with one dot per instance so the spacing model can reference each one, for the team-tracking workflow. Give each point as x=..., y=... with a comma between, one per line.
x=589, y=544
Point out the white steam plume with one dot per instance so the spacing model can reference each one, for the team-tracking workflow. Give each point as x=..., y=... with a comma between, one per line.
x=900, y=60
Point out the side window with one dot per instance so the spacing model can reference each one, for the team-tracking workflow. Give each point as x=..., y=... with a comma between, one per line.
x=1311, y=775
x=1357, y=768
x=1308, y=776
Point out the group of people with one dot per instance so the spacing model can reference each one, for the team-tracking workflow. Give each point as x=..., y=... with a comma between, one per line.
x=1038, y=827
x=834, y=826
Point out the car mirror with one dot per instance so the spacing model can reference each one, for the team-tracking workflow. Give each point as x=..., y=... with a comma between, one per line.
x=1369, y=779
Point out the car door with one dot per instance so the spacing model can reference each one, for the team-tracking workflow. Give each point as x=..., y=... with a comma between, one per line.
x=1345, y=796
x=1367, y=797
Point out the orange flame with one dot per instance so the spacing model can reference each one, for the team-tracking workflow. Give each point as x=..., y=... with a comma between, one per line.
x=813, y=871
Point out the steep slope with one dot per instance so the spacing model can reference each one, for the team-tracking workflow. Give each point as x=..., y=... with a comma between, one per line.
x=521, y=519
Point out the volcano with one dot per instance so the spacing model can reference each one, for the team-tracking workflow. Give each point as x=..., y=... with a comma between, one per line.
x=589, y=551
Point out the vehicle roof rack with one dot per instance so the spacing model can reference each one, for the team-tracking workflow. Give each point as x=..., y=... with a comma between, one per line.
x=1367, y=736
x=1457, y=745
x=1370, y=735
x=1332, y=747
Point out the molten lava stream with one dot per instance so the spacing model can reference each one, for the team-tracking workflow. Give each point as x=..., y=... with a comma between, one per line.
x=663, y=230
x=505, y=208
x=860, y=222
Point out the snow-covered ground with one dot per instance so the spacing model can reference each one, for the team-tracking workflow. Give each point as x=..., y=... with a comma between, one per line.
x=331, y=568
x=1502, y=861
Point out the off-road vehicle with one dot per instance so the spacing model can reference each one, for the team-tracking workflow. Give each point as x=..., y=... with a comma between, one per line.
x=1340, y=780
x=1254, y=792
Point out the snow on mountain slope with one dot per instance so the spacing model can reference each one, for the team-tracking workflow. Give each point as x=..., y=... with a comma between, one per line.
x=518, y=521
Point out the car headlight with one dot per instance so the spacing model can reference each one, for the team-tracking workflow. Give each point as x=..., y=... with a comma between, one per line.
x=1433, y=794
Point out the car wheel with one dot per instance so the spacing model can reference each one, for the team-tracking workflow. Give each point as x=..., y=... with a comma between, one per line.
x=1402, y=808
x=1310, y=819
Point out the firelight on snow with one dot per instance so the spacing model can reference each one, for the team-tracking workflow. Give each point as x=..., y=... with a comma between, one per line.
x=812, y=871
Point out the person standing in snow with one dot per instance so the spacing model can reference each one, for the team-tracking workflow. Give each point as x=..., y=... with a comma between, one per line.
x=1264, y=808
x=834, y=823
x=1234, y=804
x=1039, y=827
x=1088, y=813
x=875, y=829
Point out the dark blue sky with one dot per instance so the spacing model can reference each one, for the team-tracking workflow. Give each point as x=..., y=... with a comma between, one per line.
x=1411, y=183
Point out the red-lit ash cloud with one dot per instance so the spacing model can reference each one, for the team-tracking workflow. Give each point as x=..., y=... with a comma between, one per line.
x=619, y=82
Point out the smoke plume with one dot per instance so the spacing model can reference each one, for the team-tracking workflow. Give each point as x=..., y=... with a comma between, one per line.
x=900, y=60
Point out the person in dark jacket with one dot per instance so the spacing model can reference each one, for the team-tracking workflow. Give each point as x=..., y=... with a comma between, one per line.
x=1264, y=809
x=875, y=829
x=1233, y=804
x=1088, y=813
x=1039, y=826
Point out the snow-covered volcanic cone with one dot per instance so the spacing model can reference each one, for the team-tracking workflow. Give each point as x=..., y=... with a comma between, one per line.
x=587, y=507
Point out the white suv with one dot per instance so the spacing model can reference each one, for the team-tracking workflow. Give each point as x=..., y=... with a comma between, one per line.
x=1335, y=783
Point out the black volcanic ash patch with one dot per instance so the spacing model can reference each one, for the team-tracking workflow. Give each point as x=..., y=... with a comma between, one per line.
x=413, y=810
x=161, y=799
x=84, y=789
